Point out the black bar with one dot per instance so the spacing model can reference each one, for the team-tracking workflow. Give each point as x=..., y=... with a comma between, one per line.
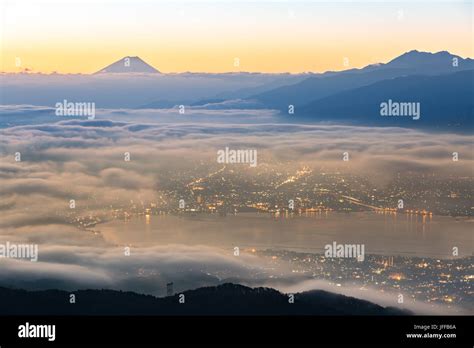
x=291, y=331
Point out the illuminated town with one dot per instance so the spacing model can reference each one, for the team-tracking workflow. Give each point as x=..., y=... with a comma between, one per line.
x=279, y=190
x=428, y=280
x=285, y=193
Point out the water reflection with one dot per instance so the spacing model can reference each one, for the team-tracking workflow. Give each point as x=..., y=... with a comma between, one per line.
x=382, y=232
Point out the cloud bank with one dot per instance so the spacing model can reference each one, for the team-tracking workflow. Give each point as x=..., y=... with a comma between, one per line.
x=83, y=160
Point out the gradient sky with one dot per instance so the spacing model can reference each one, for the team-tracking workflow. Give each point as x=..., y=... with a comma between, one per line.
x=84, y=36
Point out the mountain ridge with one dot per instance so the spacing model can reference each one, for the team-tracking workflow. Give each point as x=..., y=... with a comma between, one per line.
x=446, y=100
x=225, y=299
x=317, y=87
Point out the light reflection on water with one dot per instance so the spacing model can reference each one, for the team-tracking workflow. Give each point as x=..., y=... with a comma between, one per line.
x=382, y=233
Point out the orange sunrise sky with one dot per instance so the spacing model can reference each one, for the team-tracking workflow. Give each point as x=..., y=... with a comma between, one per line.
x=208, y=36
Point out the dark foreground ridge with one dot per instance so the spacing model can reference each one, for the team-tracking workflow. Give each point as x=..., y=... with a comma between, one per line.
x=226, y=299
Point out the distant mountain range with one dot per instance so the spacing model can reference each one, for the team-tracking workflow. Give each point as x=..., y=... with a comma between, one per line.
x=226, y=299
x=442, y=83
x=323, y=85
x=445, y=101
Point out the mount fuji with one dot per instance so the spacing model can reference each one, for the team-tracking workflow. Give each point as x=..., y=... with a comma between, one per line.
x=129, y=65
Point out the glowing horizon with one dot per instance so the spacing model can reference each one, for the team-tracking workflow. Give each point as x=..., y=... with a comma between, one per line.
x=268, y=37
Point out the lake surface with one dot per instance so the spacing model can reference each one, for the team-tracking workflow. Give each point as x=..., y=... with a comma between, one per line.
x=388, y=234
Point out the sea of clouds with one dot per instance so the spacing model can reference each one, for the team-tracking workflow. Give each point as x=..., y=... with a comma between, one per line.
x=78, y=158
